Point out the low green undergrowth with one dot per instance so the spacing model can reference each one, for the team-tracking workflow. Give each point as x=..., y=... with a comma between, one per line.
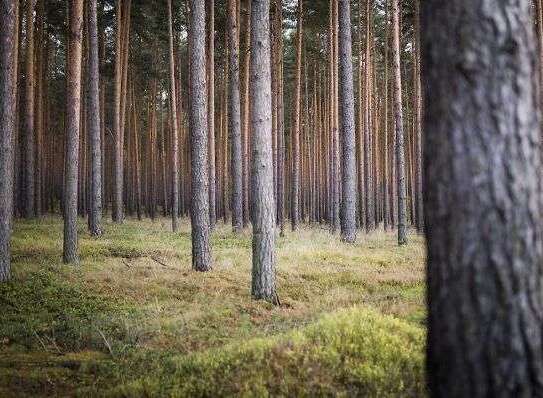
x=133, y=319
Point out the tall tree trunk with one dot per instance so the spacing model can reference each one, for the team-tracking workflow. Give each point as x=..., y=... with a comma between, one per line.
x=346, y=95
x=398, y=116
x=386, y=189
x=245, y=111
x=117, y=213
x=280, y=121
x=211, y=111
x=95, y=214
x=29, y=144
x=73, y=106
x=295, y=196
x=9, y=16
x=418, y=125
x=175, y=134
x=201, y=250
x=483, y=200
x=234, y=119
x=263, y=280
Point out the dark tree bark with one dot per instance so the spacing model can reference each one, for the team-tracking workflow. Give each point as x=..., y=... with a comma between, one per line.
x=29, y=144
x=201, y=250
x=263, y=281
x=95, y=214
x=245, y=114
x=73, y=107
x=398, y=116
x=117, y=210
x=234, y=119
x=418, y=124
x=483, y=199
x=9, y=15
x=295, y=183
x=175, y=134
x=346, y=96
x=211, y=112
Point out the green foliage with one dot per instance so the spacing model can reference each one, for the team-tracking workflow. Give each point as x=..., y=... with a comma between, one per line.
x=134, y=319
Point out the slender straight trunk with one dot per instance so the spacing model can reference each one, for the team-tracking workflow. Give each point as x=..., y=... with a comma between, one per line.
x=234, y=119
x=201, y=250
x=263, y=280
x=295, y=188
x=9, y=16
x=418, y=126
x=386, y=189
x=280, y=120
x=173, y=124
x=245, y=115
x=39, y=101
x=29, y=143
x=93, y=102
x=336, y=189
x=73, y=106
x=211, y=111
x=348, y=139
x=117, y=213
x=368, y=153
x=483, y=200
x=398, y=116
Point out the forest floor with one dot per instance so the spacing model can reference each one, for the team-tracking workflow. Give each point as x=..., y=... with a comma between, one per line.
x=133, y=319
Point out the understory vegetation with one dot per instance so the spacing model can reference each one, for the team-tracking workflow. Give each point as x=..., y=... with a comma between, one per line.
x=133, y=319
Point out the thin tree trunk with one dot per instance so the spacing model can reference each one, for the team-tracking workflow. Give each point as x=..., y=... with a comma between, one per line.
x=263, y=280
x=175, y=135
x=234, y=119
x=398, y=115
x=29, y=144
x=245, y=115
x=348, y=139
x=95, y=214
x=117, y=213
x=483, y=200
x=9, y=16
x=201, y=250
x=73, y=106
x=295, y=196
x=211, y=111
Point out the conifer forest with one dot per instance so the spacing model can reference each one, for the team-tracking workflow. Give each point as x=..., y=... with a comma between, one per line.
x=271, y=198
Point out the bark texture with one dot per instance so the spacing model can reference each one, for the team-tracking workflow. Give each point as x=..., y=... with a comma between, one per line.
x=295, y=183
x=398, y=116
x=175, y=134
x=347, y=134
x=211, y=111
x=30, y=147
x=95, y=214
x=201, y=250
x=263, y=280
x=8, y=94
x=483, y=199
x=234, y=119
x=73, y=107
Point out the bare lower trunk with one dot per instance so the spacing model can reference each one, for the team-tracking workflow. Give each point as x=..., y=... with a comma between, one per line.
x=398, y=116
x=9, y=15
x=29, y=144
x=234, y=119
x=175, y=134
x=73, y=106
x=263, y=281
x=211, y=111
x=95, y=214
x=201, y=250
x=483, y=200
x=346, y=95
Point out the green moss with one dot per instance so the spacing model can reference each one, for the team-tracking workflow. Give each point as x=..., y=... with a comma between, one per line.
x=134, y=317
x=353, y=352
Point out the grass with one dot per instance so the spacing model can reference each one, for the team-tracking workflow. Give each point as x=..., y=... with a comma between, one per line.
x=133, y=319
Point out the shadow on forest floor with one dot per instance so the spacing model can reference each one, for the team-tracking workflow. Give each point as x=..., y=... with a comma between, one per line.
x=133, y=319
